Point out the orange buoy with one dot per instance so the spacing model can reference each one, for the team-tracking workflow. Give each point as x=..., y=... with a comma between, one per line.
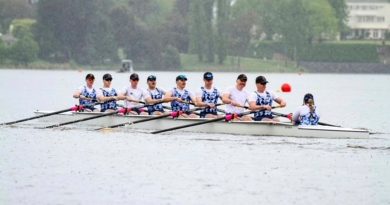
x=286, y=88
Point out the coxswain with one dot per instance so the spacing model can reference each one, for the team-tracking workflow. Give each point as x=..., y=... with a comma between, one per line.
x=307, y=114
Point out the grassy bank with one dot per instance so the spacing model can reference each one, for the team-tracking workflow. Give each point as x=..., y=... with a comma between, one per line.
x=189, y=63
x=232, y=64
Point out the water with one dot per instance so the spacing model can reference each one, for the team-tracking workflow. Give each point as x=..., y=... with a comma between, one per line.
x=75, y=166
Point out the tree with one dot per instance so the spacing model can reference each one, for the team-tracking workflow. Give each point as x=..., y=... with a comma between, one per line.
x=3, y=51
x=24, y=51
x=340, y=10
x=14, y=9
x=171, y=58
x=223, y=14
x=303, y=21
x=22, y=27
x=75, y=29
x=201, y=29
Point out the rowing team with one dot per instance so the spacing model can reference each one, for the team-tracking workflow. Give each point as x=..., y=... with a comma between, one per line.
x=149, y=102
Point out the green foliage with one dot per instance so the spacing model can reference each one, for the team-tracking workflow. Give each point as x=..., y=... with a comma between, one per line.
x=326, y=52
x=23, y=28
x=24, y=51
x=3, y=52
x=223, y=12
x=364, y=53
x=13, y=9
x=303, y=21
x=77, y=30
x=341, y=14
x=171, y=58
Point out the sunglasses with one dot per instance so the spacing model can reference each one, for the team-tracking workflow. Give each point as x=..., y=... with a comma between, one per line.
x=108, y=79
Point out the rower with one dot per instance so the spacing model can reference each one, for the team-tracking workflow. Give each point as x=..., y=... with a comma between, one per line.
x=307, y=114
x=87, y=94
x=261, y=101
x=181, y=97
x=107, y=95
x=154, y=96
x=207, y=96
x=133, y=95
x=236, y=97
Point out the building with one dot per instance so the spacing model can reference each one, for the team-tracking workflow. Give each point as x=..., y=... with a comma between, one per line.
x=368, y=19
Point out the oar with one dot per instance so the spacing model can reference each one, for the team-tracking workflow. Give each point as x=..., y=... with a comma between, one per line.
x=74, y=109
x=123, y=110
x=173, y=114
x=228, y=117
x=289, y=116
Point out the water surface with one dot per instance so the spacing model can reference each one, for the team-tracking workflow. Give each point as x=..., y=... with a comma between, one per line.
x=76, y=166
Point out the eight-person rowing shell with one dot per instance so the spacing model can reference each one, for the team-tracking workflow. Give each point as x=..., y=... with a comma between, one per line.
x=235, y=99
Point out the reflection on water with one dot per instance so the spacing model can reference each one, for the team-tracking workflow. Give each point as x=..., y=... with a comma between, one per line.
x=74, y=166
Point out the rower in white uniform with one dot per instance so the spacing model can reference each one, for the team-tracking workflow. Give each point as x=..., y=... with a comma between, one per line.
x=236, y=97
x=133, y=96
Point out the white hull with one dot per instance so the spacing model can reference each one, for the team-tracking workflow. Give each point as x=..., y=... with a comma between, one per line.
x=241, y=128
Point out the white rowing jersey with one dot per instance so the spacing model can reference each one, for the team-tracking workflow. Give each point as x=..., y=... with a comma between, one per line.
x=136, y=94
x=238, y=96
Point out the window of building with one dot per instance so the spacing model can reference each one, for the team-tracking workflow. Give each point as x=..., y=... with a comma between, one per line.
x=380, y=19
x=375, y=33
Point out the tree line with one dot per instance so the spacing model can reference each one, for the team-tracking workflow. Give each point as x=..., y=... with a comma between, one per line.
x=154, y=32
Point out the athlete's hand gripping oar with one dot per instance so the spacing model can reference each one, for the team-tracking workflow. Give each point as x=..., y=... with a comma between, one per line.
x=227, y=118
x=289, y=116
x=74, y=109
x=173, y=114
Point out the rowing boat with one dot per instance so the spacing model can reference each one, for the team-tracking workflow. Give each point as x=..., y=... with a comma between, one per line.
x=222, y=127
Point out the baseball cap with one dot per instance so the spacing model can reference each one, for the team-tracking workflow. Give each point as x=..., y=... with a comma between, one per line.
x=181, y=77
x=151, y=78
x=90, y=76
x=208, y=76
x=261, y=79
x=242, y=77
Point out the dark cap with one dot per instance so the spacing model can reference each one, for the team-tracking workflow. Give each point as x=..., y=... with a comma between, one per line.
x=134, y=76
x=90, y=76
x=261, y=79
x=151, y=78
x=242, y=77
x=208, y=76
x=107, y=76
x=181, y=77
x=307, y=97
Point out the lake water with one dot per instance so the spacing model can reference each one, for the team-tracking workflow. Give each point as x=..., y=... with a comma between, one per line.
x=75, y=166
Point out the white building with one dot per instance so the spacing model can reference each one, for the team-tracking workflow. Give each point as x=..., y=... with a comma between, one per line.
x=368, y=19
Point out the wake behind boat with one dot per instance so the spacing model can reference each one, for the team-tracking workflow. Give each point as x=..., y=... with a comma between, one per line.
x=256, y=128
